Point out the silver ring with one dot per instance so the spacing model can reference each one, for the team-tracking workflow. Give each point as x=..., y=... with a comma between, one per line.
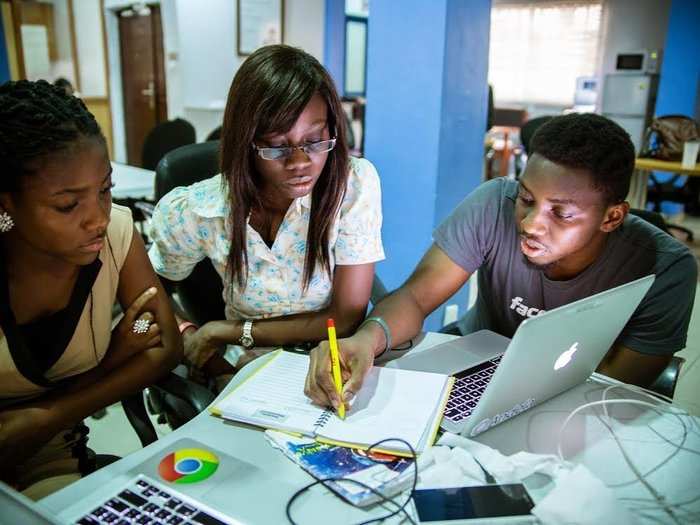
x=140, y=326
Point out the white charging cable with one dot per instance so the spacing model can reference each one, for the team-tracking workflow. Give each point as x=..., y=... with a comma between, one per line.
x=686, y=421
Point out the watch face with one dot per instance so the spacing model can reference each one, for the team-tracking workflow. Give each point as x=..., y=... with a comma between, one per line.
x=246, y=341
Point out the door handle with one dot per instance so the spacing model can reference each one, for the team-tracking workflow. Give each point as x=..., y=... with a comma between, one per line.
x=150, y=92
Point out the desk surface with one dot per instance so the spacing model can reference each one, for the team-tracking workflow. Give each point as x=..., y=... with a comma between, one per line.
x=665, y=165
x=676, y=474
x=130, y=181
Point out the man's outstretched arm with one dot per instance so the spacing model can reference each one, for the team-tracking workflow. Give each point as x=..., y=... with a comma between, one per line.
x=435, y=279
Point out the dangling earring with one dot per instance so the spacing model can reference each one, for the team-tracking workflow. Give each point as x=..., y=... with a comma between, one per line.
x=6, y=222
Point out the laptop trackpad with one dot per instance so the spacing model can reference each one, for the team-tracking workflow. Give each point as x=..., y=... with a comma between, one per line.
x=456, y=355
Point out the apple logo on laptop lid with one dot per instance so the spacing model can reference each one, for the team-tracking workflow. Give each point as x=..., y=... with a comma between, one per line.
x=566, y=357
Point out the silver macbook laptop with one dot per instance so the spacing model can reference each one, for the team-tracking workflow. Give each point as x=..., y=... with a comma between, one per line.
x=498, y=378
x=184, y=483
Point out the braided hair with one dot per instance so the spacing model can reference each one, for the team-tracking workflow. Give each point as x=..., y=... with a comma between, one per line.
x=38, y=120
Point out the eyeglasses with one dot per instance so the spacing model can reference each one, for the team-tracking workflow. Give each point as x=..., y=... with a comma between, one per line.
x=312, y=148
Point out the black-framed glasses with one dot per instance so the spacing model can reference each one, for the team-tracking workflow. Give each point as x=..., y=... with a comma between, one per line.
x=311, y=148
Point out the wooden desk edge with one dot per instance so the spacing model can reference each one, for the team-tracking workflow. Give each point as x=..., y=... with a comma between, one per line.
x=647, y=164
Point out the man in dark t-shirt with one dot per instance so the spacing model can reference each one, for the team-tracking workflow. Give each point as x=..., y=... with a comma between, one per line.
x=480, y=234
x=560, y=234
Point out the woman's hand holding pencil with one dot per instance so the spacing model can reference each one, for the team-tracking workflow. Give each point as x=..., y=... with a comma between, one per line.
x=355, y=359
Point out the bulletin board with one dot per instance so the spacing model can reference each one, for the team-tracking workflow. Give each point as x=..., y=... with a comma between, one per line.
x=259, y=23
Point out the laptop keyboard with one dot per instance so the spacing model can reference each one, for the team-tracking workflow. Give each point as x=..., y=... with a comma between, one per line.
x=467, y=390
x=143, y=503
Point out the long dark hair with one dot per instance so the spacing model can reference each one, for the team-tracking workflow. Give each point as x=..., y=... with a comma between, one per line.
x=269, y=92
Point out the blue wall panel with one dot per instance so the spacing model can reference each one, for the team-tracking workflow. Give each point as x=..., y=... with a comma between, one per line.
x=4, y=64
x=464, y=107
x=679, y=85
x=425, y=121
x=334, y=42
x=680, y=69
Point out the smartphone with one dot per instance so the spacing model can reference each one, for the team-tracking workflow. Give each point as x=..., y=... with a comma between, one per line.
x=460, y=504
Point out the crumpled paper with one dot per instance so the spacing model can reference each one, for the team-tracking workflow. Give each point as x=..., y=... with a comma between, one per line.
x=578, y=497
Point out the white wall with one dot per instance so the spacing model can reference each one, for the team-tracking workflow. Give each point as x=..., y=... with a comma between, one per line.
x=63, y=66
x=629, y=25
x=90, y=49
x=208, y=59
x=304, y=24
x=199, y=41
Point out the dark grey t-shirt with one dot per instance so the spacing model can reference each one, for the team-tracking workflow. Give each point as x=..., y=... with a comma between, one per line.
x=481, y=234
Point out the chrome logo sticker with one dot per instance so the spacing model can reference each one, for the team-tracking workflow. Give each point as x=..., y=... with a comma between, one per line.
x=188, y=465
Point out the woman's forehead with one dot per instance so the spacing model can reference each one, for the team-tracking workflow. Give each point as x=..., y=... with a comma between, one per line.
x=74, y=168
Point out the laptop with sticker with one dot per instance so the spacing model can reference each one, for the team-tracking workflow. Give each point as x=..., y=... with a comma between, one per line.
x=186, y=482
x=498, y=378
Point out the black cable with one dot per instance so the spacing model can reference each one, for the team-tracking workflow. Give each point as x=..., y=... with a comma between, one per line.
x=399, y=508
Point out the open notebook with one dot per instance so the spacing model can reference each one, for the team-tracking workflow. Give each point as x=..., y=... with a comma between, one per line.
x=392, y=403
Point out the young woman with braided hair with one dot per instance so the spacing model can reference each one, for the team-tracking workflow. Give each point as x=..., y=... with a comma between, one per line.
x=66, y=254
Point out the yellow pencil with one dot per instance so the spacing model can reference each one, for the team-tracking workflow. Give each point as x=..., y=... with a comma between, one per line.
x=335, y=366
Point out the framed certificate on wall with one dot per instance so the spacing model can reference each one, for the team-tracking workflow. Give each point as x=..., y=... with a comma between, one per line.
x=259, y=23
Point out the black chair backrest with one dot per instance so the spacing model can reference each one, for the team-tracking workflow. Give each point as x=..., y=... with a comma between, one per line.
x=165, y=137
x=651, y=217
x=215, y=134
x=349, y=133
x=186, y=165
x=199, y=293
x=528, y=130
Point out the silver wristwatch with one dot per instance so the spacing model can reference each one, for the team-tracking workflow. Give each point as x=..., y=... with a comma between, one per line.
x=246, y=339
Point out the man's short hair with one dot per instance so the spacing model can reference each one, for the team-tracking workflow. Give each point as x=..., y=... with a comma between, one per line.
x=592, y=143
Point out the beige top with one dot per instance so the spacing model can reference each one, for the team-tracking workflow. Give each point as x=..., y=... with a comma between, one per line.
x=81, y=354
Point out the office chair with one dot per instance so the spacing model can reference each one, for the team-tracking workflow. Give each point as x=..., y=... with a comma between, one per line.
x=349, y=133
x=215, y=134
x=687, y=194
x=664, y=140
x=163, y=138
x=200, y=293
x=665, y=384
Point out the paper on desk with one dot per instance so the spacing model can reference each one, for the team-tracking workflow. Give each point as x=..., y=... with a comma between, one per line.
x=451, y=463
x=507, y=469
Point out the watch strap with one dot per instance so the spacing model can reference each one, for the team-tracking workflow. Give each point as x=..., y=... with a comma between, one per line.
x=247, y=336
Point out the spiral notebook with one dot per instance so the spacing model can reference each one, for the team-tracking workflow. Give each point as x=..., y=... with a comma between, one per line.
x=392, y=403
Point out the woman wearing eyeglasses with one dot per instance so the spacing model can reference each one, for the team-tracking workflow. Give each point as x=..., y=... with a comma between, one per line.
x=292, y=224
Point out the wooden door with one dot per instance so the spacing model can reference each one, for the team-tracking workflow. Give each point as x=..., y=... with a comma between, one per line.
x=143, y=76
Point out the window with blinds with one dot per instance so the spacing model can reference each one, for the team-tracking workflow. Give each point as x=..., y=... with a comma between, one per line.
x=538, y=49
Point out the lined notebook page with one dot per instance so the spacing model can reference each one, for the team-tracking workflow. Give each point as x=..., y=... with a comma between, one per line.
x=274, y=396
x=392, y=403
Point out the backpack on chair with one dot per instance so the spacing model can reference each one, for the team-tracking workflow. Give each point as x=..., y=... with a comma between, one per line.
x=666, y=135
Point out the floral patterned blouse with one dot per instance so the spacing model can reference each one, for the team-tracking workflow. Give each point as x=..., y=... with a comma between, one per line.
x=191, y=223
